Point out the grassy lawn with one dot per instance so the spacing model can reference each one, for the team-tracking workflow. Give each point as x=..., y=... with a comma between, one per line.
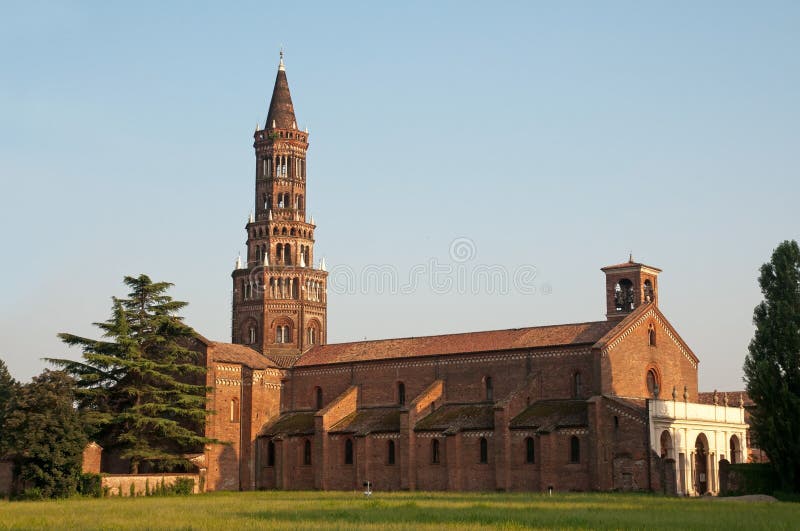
x=385, y=511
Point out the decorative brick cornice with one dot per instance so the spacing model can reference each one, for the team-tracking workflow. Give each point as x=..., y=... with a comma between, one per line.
x=486, y=434
x=384, y=435
x=572, y=431
x=627, y=414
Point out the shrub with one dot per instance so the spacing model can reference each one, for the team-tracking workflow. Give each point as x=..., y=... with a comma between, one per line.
x=31, y=493
x=91, y=485
x=183, y=486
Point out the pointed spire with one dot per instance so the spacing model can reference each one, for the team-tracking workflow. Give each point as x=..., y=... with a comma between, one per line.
x=312, y=220
x=630, y=258
x=252, y=217
x=281, y=110
x=322, y=265
x=239, y=262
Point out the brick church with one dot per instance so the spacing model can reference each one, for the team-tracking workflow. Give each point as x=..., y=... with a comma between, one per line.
x=604, y=405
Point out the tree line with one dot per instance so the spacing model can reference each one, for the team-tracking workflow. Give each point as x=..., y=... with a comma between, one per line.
x=139, y=391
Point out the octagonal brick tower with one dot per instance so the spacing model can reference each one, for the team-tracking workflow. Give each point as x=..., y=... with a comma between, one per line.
x=279, y=298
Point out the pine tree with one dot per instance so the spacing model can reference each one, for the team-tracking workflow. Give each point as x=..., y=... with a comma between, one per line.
x=46, y=436
x=141, y=388
x=772, y=367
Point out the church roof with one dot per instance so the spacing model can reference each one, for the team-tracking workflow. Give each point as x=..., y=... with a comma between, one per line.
x=296, y=423
x=464, y=343
x=241, y=354
x=549, y=415
x=366, y=421
x=629, y=263
x=452, y=418
x=281, y=110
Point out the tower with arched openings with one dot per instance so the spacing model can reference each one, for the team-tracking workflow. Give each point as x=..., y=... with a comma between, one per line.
x=279, y=296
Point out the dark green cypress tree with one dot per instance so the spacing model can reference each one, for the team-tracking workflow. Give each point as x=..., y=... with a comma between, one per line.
x=46, y=435
x=772, y=367
x=142, y=390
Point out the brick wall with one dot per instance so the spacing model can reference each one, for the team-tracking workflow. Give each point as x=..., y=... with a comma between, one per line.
x=626, y=364
x=120, y=484
x=92, y=458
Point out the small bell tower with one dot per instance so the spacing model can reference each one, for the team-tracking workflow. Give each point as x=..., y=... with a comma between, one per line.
x=628, y=286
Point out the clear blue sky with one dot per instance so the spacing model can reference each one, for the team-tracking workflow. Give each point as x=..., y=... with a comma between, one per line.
x=560, y=135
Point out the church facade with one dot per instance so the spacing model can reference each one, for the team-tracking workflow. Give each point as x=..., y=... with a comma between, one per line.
x=604, y=405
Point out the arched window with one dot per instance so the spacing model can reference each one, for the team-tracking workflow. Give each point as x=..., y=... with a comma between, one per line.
x=283, y=334
x=270, y=453
x=576, y=385
x=652, y=383
x=390, y=452
x=735, y=450
x=234, y=410
x=318, y=397
x=623, y=295
x=307, y=452
x=574, y=449
x=312, y=337
x=401, y=393
x=348, y=451
x=435, y=451
x=529, y=454
x=651, y=335
x=489, y=388
x=648, y=291
x=484, y=450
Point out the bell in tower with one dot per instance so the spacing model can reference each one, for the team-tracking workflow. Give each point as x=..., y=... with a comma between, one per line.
x=279, y=298
x=628, y=286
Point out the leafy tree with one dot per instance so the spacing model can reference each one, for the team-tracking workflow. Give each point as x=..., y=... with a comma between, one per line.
x=8, y=389
x=46, y=435
x=772, y=367
x=141, y=388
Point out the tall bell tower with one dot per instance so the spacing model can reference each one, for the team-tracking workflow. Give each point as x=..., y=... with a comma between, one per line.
x=279, y=298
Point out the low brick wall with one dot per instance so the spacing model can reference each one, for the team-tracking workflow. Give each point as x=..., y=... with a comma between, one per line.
x=120, y=484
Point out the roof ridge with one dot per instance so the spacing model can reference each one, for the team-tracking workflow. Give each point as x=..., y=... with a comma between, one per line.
x=461, y=333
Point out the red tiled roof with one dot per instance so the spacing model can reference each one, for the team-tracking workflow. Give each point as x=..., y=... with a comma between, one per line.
x=470, y=342
x=629, y=263
x=707, y=397
x=232, y=353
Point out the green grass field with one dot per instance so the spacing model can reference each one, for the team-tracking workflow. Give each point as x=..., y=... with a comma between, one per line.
x=385, y=511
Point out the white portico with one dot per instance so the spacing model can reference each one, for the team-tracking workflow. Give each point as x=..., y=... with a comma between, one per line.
x=696, y=437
